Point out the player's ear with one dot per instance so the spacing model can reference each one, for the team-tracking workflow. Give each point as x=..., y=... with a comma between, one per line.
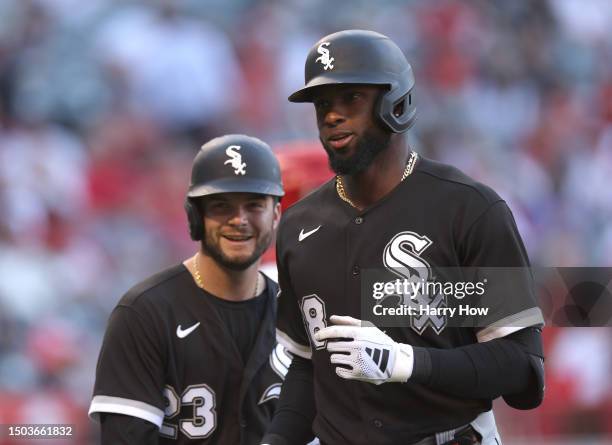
x=277, y=213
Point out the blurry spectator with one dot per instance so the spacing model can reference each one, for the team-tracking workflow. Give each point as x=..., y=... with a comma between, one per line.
x=179, y=71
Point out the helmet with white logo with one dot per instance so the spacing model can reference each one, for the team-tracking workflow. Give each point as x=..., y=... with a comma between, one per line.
x=363, y=57
x=231, y=163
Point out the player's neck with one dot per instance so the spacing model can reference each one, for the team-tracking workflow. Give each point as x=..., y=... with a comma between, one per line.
x=381, y=176
x=223, y=283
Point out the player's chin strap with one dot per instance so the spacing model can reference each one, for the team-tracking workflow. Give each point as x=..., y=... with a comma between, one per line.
x=363, y=352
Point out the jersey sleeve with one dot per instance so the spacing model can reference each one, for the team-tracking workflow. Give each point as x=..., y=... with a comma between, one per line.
x=290, y=331
x=493, y=246
x=129, y=374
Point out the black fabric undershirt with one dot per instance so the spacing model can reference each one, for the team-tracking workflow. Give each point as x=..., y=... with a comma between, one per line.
x=483, y=370
x=242, y=320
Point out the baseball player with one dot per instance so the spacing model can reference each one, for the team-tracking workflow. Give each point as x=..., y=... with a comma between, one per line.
x=190, y=355
x=392, y=210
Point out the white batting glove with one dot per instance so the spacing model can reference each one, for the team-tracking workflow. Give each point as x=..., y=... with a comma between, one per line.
x=365, y=352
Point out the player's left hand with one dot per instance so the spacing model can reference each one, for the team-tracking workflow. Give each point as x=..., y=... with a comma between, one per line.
x=363, y=352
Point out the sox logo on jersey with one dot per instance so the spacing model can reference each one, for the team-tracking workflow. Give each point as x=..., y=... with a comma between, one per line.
x=402, y=257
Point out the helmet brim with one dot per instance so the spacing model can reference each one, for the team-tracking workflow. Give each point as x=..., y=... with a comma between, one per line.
x=305, y=94
x=231, y=185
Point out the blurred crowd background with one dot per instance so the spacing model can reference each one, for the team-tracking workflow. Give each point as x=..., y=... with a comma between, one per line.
x=103, y=104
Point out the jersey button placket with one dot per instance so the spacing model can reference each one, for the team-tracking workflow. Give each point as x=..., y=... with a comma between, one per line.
x=358, y=220
x=377, y=423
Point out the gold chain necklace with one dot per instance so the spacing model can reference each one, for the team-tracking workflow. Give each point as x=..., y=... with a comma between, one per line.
x=407, y=172
x=198, y=277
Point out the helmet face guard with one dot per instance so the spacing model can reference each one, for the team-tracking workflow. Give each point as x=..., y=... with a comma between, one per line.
x=231, y=164
x=363, y=57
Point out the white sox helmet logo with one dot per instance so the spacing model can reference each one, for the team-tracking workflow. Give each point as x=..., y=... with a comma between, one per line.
x=235, y=160
x=324, y=58
x=402, y=256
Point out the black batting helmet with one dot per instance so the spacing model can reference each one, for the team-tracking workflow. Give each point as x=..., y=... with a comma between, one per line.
x=363, y=57
x=231, y=163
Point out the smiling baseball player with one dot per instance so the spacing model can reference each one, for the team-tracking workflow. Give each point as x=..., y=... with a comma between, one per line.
x=189, y=355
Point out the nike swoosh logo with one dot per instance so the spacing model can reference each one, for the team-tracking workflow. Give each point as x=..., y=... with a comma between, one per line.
x=304, y=235
x=180, y=333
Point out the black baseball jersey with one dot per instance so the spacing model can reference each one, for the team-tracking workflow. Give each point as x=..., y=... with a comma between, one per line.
x=438, y=217
x=170, y=357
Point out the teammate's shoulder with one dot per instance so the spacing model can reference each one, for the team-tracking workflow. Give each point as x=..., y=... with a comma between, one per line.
x=154, y=287
x=451, y=179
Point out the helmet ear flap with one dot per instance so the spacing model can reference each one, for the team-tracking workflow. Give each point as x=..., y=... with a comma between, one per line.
x=194, y=219
x=398, y=113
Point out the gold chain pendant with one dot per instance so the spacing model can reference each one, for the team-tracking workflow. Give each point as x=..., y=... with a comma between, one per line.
x=407, y=172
